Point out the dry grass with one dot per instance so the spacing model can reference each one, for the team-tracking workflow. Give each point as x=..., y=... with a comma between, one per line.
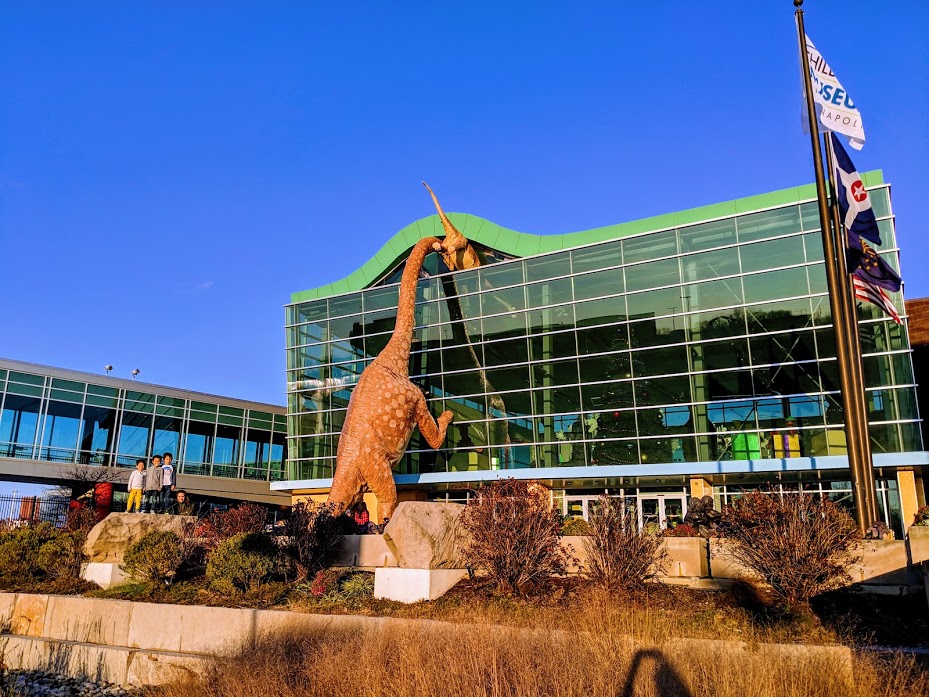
x=660, y=613
x=608, y=652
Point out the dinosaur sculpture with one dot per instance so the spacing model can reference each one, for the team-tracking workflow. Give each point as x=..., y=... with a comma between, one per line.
x=461, y=255
x=385, y=407
x=457, y=252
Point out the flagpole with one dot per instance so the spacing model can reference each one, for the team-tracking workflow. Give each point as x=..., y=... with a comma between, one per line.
x=837, y=303
x=854, y=340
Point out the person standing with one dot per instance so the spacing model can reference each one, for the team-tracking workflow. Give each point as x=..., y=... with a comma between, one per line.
x=153, y=478
x=167, y=481
x=136, y=484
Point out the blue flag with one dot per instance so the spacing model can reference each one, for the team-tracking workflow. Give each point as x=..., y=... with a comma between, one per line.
x=869, y=266
x=854, y=201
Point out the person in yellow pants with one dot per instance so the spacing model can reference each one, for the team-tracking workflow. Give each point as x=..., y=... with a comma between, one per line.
x=136, y=484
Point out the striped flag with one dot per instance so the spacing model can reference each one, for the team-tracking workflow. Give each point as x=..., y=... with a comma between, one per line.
x=875, y=295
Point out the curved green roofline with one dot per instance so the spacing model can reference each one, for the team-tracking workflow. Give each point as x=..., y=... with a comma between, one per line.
x=524, y=244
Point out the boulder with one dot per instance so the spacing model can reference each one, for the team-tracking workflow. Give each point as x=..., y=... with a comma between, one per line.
x=109, y=539
x=425, y=535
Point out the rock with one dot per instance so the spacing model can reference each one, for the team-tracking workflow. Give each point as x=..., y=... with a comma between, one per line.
x=109, y=539
x=425, y=535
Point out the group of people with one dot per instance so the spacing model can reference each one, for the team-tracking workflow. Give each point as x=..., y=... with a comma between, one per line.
x=150, y=488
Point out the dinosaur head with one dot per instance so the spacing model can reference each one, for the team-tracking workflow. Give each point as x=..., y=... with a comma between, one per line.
x=454, y=241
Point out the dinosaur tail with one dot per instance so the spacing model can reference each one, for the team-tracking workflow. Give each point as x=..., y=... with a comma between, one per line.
x=397, y=351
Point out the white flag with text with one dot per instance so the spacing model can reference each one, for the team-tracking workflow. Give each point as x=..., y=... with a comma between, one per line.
x=835, y=109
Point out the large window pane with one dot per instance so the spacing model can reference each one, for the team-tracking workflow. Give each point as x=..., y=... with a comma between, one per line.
x=712, y=294
x=709, y=265
x=61, y=431
x=654, y=303
x=19, y=425
x=167, y=435
x=599, y=257
x=772, y=254
x=654, y=246
x=198, y=448
x=598, y=284
x=707, y=235
x=134, y=434
x=757, y=226
x=763, y=287
x=98, y=435
x=653, y=274
x=226, y=451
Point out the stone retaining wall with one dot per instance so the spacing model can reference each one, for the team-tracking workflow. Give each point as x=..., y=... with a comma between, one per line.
x=883, y=562
x=136, y=644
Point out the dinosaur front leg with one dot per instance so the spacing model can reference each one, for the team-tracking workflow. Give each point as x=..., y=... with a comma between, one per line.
x=433, y=430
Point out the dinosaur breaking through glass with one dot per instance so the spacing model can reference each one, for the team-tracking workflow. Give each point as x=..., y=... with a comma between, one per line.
x=385, y=406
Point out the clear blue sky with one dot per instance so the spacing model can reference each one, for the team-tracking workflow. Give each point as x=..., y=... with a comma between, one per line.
x=170, y=172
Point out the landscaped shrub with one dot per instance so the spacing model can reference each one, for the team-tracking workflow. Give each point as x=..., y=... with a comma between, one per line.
x=156, y=556
x=620, y=555
x=801, y=545
x=922, y=516
x=221, y=525
x=242, y=562
x=357, y=585
x=514, y=535
x=313, y=537
x=81, y=518
x=574, y=526
x=62, y=555
x=683, y=530
x=325, y=582
x=19, y=552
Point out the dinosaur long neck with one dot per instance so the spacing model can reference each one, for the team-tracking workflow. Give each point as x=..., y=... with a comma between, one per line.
x=396, y=355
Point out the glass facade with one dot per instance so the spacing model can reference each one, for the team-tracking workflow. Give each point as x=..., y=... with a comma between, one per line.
x=77, y=421
x=707, y=342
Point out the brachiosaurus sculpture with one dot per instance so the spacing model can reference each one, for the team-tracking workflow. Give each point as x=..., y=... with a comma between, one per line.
x=385, y=407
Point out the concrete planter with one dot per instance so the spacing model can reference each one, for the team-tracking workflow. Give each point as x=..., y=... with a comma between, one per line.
x=918, y=538
x=687, y=557
x=365, y=551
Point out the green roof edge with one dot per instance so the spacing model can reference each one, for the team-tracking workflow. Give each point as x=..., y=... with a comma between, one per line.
x=512, y=242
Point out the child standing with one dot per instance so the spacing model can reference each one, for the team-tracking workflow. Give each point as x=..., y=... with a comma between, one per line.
x=136, y=484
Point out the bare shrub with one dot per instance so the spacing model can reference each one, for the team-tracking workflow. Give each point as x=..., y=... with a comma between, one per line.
x=800, y=545
x=619, y=554
x=221, y=525
x=313, y=537
x=81, y=518
x=514, y=535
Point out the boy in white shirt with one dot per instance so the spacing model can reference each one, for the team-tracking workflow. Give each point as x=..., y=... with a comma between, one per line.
x=136, y=484
x=167, y=481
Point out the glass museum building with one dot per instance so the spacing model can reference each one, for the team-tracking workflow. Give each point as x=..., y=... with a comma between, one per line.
x=54, y=420
x=683, y=355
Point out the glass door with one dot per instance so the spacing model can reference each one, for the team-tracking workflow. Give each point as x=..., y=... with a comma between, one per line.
x=662, y=510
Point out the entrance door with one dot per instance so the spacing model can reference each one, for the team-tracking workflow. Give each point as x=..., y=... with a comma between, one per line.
x=662, y=510
x=580, y=506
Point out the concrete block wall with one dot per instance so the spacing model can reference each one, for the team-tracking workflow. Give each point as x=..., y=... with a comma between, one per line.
x=69, y=634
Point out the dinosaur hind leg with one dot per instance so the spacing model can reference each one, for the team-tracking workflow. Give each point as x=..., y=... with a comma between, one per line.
x=347, y=488
x=381, y=482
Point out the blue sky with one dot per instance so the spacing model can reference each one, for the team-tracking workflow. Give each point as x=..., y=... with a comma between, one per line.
x=171, y=172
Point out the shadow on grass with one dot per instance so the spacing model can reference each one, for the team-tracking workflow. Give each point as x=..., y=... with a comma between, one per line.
x=667, y=682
